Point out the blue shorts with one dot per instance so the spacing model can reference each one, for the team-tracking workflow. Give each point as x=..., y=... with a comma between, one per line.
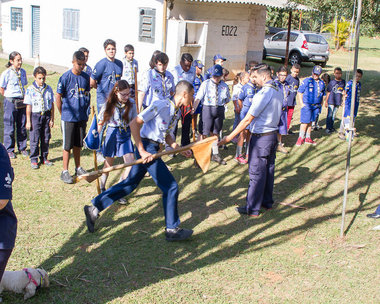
x=309, y=113
x=117, y=143
x=283, y=124
x=212, y=117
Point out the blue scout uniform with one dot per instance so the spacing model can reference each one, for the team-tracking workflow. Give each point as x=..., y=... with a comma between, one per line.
x=283, y=124
x=88, y=70
x=160, y=118
x=156, y=86
x=118, y=136
x=313, y=92
x=347, y=103
x=246, y=94
x=266, y=107
x=336, y=89
x=75, y=91
x=41, y=99
x=179, y=74
x=235, y=96
x=8, y=220
x=129, y=73
x=197, y=84
x=213, y=97
x=13, y=83
x=293, y=84
x=208, y=73
x=106, y=73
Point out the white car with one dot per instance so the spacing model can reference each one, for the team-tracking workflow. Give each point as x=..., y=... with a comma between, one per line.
x=303, y=47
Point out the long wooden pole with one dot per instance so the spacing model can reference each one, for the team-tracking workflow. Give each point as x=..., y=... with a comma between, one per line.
x=136, y=92
x=94, y=155
x=351, y=129
x=164, y=17
x=287, y=39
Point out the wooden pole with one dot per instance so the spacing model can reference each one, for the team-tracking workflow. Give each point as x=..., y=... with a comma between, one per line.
x=287, y=39
x=351, y=129
x=94, y=155
x=299, y=26
x=136, y=92
x=164, y=17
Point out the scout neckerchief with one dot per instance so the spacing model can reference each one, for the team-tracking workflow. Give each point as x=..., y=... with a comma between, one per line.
x=41, y=92
x=162, y=77
x=318, y=87
x=173, y=120
x=270, y=84
x=122, y=124
x=18, y=74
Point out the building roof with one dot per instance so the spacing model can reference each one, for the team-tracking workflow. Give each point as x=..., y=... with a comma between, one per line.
x=271, y=3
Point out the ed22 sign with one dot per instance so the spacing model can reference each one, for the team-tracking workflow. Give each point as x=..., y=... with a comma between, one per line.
x=229, y=30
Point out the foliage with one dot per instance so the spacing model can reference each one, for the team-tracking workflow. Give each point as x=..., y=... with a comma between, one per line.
x=343, y=31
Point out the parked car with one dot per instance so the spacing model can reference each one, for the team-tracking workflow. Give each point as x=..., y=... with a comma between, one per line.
x=303, y=47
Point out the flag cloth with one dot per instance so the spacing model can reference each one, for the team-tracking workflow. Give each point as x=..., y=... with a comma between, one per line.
x=92, y=139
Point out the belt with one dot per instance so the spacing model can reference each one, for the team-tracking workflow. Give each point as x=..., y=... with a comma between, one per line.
x=313, y=104
x=151, y=141
x=14, y=98
x=42, y=113
x=264, y=134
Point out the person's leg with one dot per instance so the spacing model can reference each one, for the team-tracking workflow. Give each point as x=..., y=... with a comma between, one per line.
x=4, y=257
x=290, y=115
x=79, y=135
x=45, y=138
x=66, y=159
x=335, y=110
x=9, y=125
x=22, y=135
x=103, y=178
x=76, y=153
x=34, y=137
x=186, y=126
x=128, y=158
x=268, y=191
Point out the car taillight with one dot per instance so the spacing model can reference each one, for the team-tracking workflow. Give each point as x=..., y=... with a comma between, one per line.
x=304, y=45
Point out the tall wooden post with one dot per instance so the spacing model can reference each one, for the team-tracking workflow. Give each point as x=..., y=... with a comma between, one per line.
x=287, y=39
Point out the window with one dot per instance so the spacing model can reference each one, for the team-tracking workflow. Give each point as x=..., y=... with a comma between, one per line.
x=312, y=39
x=293, y=37
x=70, y=24
x=278, y=37
x=147, y=24
x=16, y=19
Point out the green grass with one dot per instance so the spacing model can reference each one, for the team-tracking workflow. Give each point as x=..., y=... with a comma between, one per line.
x=287, y=255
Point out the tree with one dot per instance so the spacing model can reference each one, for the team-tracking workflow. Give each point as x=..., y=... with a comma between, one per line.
x=340, y=31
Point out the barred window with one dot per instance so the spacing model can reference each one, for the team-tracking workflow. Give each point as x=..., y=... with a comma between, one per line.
x=147, y=24
x=16, y=19
x=70, y=24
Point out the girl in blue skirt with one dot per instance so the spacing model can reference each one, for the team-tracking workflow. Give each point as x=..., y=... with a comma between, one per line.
x=118, y=111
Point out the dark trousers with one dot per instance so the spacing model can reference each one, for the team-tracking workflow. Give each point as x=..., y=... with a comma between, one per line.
x=4, y=257
x=261, y=161
x=40, y=133
x=186, y=127
x=14, y=119
x=161, y=176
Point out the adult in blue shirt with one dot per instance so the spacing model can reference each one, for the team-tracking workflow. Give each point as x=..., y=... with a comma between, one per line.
x=8, y=220
x=73, y=100
x=151, y=128
x=105, y=73
x=264, y=114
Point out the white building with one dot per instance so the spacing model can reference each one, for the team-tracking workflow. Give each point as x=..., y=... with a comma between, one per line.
x=54, y=29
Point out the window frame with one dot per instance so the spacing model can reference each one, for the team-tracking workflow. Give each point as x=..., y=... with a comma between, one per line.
x=17, y=18
x=70, y=24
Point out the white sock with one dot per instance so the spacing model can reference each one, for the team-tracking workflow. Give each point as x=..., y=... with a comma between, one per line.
x=103, y=181
x=238, y=150
x=215, y=149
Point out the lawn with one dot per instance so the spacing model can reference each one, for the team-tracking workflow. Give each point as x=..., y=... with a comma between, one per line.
x=288, y=255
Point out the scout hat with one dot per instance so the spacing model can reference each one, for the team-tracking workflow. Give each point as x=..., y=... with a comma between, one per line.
x=317, y=70
x=218, y=56
x=217, y=70
x=198, y=63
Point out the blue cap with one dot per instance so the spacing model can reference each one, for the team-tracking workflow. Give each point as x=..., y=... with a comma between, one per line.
x=317, y=70
x=217, y=70
x=92, y=140
x=198, y=63
x=218, y=56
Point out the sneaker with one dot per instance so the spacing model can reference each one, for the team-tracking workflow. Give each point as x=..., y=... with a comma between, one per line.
x=329, y=131
x=91, y=214
x=80, y=171
x=11, y=155
x=216, y=158
x=317, y=127
x=240, y=159
x=24, y=153
x=48, y=163
x=243, y=210
x=177, y=234
x=122, y=201
x=66, y=177
x=34, y=165
x=300, y=141
x=281, y=148
x=341, y=136
x=309, y=141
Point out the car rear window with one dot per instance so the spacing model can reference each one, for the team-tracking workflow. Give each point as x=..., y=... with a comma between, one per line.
x=293, y=37
x=317, y=39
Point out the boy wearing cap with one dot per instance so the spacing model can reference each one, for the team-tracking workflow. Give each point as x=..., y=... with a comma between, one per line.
x=218, y=59
x=293, y=83
x=311, y=93
x=214, y=93
x=197, y=64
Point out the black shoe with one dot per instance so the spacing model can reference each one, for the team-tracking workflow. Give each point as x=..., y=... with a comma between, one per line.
x=80, y=171
x=90, y=218
x=218, y=159
x=66, y=177
x=373, y=215
x=243, y=210
x=177, y=234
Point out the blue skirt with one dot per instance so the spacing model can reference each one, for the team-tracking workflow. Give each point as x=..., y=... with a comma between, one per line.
x=117, y=143
x=283, y=124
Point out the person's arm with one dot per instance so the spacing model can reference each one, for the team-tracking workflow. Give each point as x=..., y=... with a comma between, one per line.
x=51, y=123
x=3, y=203
x=135, y=127
x=240, y=104
x=300, y=99
x=240, y=127
x=2, y=91
x=93, y=83
x=140, y=99
x=195, y=105
x=28, y=125
x=327, y=98
x=58, y=100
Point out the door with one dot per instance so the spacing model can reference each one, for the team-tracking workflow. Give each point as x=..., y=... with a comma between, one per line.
x=35, y=31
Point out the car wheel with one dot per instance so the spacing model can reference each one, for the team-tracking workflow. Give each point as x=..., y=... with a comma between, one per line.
x=264, y=53
x=295, y=58
x=323, y=64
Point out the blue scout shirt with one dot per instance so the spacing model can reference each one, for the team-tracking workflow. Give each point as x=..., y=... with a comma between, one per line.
x=336, y=89
x=313, y=91
x=13, y=83
x=293, y=84
x=208, y=73
x=197, y=83
x=156, y=86
x=106, y=73
x=246, y=93
x=236, y=91
x=207, y=93
x=160, y=119
x=116, y=121
x=179, y=74
x=266, y=107
x=75, y=91
x=347, y=103
x=40, y=98
x=87, y=69
x=129, y=70
x=285, y=93
x=8, y=220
